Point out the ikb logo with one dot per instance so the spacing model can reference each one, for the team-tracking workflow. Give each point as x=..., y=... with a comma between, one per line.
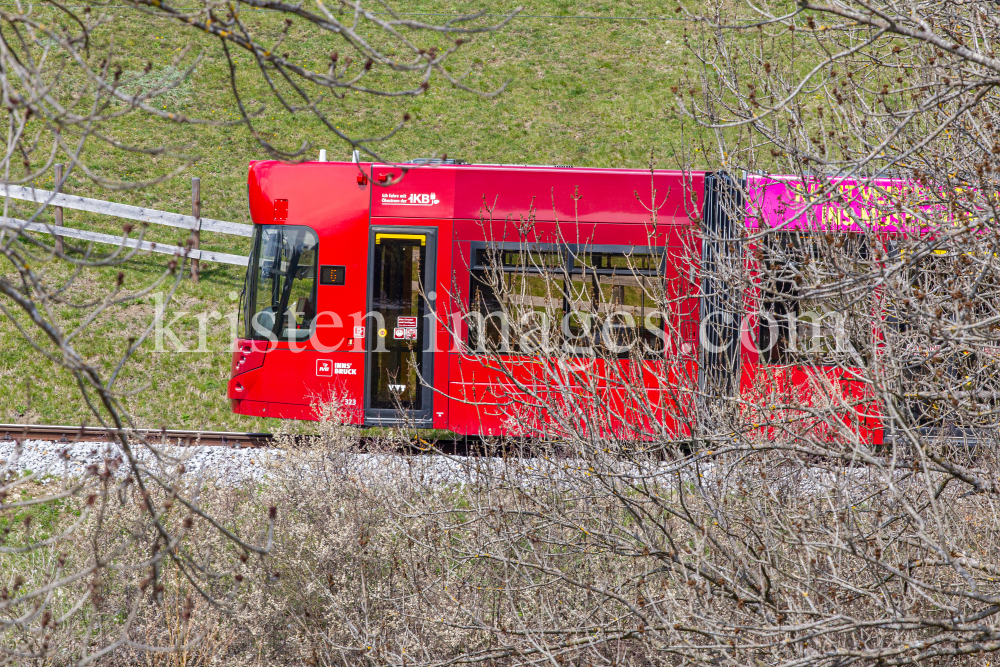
x=424, y=199
x=412, y=199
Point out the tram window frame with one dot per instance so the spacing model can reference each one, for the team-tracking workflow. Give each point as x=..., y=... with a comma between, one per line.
x=254, y=327
x=783, y=297
x=570, y=260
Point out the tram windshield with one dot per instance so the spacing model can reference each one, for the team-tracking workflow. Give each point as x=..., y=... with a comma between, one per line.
x=282, y=290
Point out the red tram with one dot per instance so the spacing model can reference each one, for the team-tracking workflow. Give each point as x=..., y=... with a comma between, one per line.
x=355, y=266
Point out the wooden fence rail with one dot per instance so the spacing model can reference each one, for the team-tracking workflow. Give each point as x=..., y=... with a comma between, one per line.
x=110, y=239
x=139, y=213
x=101, y=207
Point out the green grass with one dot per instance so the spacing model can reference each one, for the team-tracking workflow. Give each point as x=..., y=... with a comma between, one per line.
x=34, y=523
x=582, y=92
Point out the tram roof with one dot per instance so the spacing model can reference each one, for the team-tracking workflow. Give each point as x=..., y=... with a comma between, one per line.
x=472, y=191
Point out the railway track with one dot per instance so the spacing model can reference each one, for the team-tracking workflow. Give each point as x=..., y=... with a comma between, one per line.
x=70, y=434
x=461, y=445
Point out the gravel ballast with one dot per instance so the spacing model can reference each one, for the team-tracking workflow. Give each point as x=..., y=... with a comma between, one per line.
x=223, y=464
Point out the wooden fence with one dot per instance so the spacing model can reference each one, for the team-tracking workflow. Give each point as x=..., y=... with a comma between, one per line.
x=152, y=216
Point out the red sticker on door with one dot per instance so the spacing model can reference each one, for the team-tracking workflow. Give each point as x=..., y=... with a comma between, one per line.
x=406, y=322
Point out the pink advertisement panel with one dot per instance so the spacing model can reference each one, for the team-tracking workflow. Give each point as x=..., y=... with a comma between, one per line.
x=788, y=202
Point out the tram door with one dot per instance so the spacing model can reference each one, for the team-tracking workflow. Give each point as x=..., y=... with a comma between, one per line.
x=399, y=326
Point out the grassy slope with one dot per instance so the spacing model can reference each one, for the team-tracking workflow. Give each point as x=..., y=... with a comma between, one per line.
x=583, y=92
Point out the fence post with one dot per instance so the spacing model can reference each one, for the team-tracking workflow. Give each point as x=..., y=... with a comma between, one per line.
x=196, y=233
x=58, y=209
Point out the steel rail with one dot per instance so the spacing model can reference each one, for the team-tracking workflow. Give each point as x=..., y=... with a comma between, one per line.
x=458, y=445
x=71, y=434
x=455, y=445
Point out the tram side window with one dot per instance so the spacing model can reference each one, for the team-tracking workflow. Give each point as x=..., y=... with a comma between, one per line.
x=822, y=328
x=584, y=304
x=936, y=277
x=618, y=293
x=518, y=308
x=283, y=291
